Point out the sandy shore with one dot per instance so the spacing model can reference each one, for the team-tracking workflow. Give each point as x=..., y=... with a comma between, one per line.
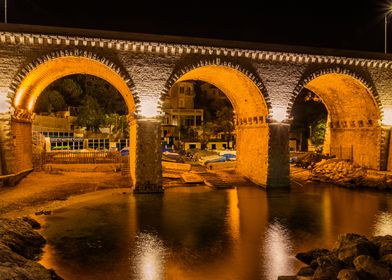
x=43, y=191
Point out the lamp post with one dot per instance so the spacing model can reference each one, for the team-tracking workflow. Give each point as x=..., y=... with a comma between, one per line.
x=5, y=11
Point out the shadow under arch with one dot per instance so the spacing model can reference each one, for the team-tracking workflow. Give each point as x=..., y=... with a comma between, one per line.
x=252, y=111
x=354, y=114
x=36, y=76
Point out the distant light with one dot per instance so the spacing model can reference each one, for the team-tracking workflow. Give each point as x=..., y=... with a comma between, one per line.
x=149, y=108
x=387, y=120
x=279, y=114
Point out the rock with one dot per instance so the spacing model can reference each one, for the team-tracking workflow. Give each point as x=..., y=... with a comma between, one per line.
x=34, y=224
x=387, y=260
x=309, y=256
x=348, y=274
x=328, y=268
x=305, y=271
x=351, y=245
x=384, y=244
x=368, y=265
x=20, y=237
x=20, y=245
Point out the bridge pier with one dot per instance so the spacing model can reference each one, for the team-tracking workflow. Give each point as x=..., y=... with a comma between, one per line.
x=145, y=155
x=278, y=157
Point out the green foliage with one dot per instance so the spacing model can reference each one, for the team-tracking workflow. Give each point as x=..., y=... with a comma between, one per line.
x=75, y=88
x=118, y=124
x=318, y=128
x=50, y=101
x=90, y=114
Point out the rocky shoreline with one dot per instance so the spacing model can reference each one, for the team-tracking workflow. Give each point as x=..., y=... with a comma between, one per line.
x=20, y=248
x=345, y=174
x=353, y=257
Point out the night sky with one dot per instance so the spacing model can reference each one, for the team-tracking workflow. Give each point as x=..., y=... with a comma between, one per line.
x=344, y=24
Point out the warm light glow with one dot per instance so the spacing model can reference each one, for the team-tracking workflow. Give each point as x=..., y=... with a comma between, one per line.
x=244, y=95
x=278, y=251
x=233, y=214
x=383, y=224
x=18, y=96
x=279, y=114
x=42, y=76
x=150, y=257
x=387, y=120
x=149, y=108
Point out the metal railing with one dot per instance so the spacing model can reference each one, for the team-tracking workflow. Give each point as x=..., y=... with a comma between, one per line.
x=70, y=157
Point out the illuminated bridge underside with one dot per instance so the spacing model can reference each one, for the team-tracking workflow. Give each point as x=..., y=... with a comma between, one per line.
x=354, y=118
x=251, y=113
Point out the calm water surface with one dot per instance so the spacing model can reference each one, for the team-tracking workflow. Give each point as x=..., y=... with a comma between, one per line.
x=198, y=233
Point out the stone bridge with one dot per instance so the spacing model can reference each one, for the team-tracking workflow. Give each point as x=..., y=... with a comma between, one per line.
x=261, y=81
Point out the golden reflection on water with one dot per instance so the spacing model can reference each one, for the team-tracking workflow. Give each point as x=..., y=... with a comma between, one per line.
x=233, y=214
x=149, y=261
x=277, y=251
x=383, y=224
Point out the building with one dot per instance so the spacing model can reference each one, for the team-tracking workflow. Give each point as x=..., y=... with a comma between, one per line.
x=180, y=114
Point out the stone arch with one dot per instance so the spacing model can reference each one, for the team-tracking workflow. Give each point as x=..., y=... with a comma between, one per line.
x=251, y=75
x=354, y=113
x=37, y=75
x=29, y=83
x=251, y=103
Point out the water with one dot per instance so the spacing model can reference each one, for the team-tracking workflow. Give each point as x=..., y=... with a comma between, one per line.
x=199, y=233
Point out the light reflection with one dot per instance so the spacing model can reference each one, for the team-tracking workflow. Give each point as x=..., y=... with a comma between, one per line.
x=383, y=224
x=277, y=251
x=233, y=214
x=149, y=257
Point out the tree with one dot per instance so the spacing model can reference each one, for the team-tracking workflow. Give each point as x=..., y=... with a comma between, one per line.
x=318, y=131
x=225, y=121
x=50, y=101
x=90, y=114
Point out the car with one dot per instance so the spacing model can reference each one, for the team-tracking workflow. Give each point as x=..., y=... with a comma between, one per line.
x=125, y=151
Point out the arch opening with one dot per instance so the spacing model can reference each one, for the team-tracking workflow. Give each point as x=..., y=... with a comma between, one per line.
x=250, y=119
x=35, y=81
x=353, y=131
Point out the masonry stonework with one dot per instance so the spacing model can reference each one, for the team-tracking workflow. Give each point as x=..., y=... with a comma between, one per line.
x=149, y=65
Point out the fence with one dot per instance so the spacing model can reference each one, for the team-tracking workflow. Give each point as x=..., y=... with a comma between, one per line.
x=82, y=157
x=343, y=152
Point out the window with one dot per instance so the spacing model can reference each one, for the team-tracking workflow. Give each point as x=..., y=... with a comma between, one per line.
x=192, y=146
x=198, y=120
x=213, y=146
x=181, y=90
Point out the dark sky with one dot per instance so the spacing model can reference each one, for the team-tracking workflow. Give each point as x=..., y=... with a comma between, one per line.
x=344, y=24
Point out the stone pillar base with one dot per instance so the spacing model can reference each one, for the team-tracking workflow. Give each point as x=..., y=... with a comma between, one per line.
x=278, y=157
x=146, y=162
